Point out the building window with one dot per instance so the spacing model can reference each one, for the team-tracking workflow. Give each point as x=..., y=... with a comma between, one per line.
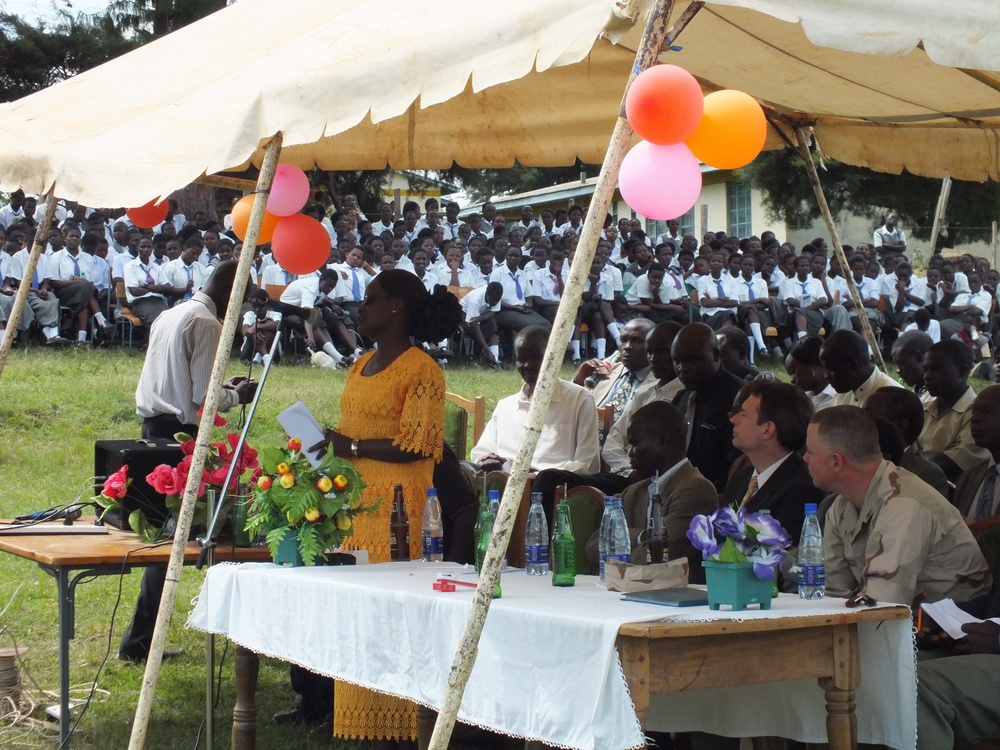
x=738, y=207
x=656, y=228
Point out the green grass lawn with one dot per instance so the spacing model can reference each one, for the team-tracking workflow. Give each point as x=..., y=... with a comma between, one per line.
x=53, y=407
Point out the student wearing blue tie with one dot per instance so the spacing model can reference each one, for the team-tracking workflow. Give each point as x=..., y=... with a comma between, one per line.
x=516, y=311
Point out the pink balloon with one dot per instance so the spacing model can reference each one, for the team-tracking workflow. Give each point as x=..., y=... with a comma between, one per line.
x=289, y=191
x=660, y=182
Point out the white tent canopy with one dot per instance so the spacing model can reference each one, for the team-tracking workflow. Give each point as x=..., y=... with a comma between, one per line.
x=416, y=84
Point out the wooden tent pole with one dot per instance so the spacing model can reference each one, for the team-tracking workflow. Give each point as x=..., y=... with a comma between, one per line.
x=652, y=44
x=211, y=407
x=942, y=206
x=803, y=144
x=21, y=299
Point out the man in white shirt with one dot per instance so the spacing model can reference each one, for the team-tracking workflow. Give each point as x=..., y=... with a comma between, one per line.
x=14, y=210
x=515, y=306
x=385, y=219
x=480, y=306
x=673, y=234
x=976, y=303
x=850, y=370
x=568, y=437
x=41, y=306
x=354, y=278
x=889, y=238
x=804, y=298
x=904, y=294
x=312, y=292
x=717, y=295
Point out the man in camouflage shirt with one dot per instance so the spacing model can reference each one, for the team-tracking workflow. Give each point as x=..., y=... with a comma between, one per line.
x=888, y=534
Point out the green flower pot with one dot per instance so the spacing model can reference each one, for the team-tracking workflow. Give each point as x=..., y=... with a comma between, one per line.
x=288, y=550
x=736, y=584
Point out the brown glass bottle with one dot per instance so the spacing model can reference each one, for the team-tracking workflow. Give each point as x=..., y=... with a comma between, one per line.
x=399, y=527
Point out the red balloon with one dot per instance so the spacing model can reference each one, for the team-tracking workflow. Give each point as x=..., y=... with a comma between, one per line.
x=664, y=104
x=149, y=214
x=300, y=244
x=241, y=220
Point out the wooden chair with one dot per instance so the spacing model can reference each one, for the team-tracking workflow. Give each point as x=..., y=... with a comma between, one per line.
x=125, y=320
x=586, y=507
x=457, y=412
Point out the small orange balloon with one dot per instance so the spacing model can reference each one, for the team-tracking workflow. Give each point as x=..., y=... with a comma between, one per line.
x=300, y=244
x=732, y=130
x=664, y=104
x=241, y=220
x=149, y=214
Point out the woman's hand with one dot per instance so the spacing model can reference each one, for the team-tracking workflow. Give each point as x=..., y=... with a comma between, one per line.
x=340, y=443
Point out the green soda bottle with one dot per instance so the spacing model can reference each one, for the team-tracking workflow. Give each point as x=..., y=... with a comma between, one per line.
x=477, y=530
x=483, y=543
x=563, y=548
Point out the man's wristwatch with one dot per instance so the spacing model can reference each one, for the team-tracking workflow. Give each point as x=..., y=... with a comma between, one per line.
x=354, y=448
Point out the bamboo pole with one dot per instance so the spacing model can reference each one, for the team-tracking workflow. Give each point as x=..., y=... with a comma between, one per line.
x=21, y=299
x=942, y=206
x=652, y=43
x=803, y=145
x=146, y=696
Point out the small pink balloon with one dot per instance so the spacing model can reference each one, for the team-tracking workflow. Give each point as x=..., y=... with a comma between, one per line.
x=289, y=191
x=660, y=182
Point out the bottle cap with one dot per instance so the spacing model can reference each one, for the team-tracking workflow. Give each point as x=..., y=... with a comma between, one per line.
x=494, y=494
x=536, y=497
x=431, y=492
x=810, y=509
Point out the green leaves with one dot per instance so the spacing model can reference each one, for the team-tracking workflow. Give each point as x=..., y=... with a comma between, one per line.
x=730, y=553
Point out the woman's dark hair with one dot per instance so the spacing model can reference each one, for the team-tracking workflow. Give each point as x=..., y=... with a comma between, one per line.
x=431, y=317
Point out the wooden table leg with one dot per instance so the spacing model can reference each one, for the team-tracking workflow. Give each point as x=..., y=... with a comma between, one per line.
x=841, y=722
x=634, y=655
x=245, y=711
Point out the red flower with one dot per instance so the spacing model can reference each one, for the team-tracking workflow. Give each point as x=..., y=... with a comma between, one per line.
x=184, y=468
x=248, y=458
x=116, y=486
x=219, y=419
x=187, y=447
x=165, y=480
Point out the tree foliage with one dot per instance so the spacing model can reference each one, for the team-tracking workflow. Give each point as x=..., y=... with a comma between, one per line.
x=481, y=184
x=35, y=56
x=149, y=19
x=787, y=196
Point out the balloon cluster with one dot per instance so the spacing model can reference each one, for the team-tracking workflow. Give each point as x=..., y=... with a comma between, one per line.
x=661, y=176
x=299, y=243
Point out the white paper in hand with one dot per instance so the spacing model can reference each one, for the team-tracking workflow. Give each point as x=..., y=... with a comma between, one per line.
x=298, y=422
x=949, y=616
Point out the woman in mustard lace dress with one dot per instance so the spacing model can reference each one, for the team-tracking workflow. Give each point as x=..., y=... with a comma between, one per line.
x=391, y=425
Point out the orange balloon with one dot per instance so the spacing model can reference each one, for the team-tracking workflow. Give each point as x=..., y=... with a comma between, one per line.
x=149, y=214
x=300, y=244
x=732, y=130
x=241, y=220
x=664, y=104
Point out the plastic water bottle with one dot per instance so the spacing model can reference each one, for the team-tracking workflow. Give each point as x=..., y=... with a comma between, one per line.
x=432, y=529
x=812, y=563
x=536, y=539
x=602, y=536
x=619, y=543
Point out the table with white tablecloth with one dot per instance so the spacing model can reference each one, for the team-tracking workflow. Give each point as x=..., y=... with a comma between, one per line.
x=547, y=667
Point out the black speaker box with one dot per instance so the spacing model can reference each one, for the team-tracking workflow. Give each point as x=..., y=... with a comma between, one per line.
x=141, y=457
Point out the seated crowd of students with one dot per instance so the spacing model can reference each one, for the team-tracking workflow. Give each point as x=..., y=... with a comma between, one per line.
x=509, y=275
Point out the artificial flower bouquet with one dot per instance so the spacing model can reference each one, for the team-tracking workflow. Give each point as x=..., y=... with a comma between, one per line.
x=317, y=503
x=731, y=536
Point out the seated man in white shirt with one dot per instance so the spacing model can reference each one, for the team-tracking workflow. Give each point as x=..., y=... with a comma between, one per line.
x=311, y=292
x=568, y=437
x=354, y=278
x=146, y=288
x=656, y=296
x=480, y=307
x=42, y=305
x=805, y=298
x=904, y=295
x=717, y=294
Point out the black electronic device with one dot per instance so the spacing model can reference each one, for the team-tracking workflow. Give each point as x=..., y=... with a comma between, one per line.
x=141, y=457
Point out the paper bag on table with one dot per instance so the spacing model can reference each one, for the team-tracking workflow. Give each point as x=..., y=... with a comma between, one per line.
x=627, y=577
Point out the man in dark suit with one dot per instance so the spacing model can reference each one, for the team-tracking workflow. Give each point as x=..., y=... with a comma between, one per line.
x=656, y=436
x=706, y=401
x=976, y=492
x=770, y=428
